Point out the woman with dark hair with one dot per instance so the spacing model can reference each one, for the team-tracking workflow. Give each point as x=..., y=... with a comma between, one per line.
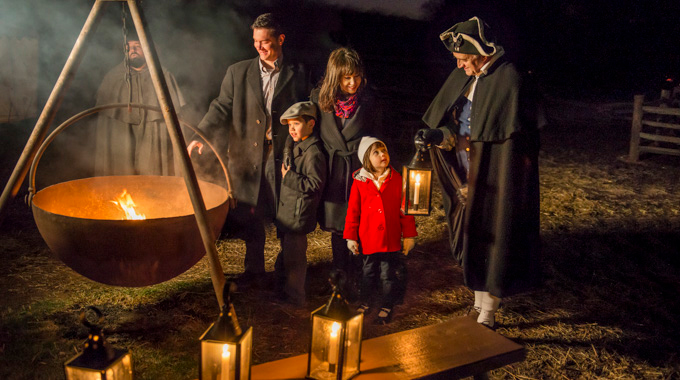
x=347, y=113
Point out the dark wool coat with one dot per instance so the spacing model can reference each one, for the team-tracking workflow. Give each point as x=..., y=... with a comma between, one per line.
x=301, y=188
x=237, y=122
x=374, y=217
x=136, y=142
x=500, y=226
x=341, y=145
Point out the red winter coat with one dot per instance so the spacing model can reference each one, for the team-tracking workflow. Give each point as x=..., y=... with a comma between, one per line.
x=374, y=218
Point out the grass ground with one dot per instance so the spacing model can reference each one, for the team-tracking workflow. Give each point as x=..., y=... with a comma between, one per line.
x=607, y=309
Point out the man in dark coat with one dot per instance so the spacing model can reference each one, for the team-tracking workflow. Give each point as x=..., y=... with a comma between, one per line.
x=135, y=141
x=244, y=123
x=484, y=123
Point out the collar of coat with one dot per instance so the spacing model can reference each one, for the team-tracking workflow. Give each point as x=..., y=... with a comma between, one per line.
x=255, y=79
x=304, y=145
x=364, y=175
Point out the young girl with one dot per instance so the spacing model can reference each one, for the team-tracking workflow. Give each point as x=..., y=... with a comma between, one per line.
x=348, y=113
x=375, y=224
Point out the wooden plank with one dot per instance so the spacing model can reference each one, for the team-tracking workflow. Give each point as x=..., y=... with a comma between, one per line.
x=659, y=124
x=657, y=150
x=453, y=349
x=662, y=110
x=636, y=127
x=653, y=137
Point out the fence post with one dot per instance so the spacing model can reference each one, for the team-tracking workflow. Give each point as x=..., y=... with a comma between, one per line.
x=634, y=152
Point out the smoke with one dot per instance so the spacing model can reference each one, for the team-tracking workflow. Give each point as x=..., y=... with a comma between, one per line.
x=195, y=42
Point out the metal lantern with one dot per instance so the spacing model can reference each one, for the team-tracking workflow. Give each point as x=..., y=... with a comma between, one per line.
x=98, y=361
x=226, y=351
x=335, y=345
x=417, y=186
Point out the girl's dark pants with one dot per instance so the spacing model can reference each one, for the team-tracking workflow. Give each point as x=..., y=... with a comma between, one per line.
x=381, y=265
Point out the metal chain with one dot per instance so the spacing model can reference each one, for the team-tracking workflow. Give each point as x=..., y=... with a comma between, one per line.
x=126, y=59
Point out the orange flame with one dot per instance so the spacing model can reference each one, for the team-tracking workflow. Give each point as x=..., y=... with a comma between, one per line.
x=125, y=202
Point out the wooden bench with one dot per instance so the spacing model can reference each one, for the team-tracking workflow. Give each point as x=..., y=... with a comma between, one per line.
x=453, y=349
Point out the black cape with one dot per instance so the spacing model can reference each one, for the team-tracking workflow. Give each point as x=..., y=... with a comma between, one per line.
x=495, y=234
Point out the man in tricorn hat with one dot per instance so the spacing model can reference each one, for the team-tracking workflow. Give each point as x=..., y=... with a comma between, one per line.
x=484, y=137
x=134, y=141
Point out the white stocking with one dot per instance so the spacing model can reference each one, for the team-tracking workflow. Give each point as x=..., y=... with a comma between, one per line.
x=489, y=306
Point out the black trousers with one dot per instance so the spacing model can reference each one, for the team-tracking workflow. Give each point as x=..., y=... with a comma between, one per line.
x=344, y=260
x=383, y=266
x=291, y=266
x=248, y=222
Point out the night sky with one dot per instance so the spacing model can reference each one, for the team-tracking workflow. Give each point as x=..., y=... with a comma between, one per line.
x=594, y=47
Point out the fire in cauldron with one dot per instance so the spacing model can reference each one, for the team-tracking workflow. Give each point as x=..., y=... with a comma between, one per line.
x=91, y=234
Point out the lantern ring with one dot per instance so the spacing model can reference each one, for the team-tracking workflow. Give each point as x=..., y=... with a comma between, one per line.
x=48, y=140
x=88, y=324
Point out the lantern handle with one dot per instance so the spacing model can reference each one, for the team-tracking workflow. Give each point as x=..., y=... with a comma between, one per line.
x=88, y=324
x=94, y=110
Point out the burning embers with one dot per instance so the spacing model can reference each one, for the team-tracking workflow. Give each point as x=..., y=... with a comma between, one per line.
x=125, y=202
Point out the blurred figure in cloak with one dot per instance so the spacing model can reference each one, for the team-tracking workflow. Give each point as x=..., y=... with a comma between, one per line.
x=484, y=143
x=134, y=141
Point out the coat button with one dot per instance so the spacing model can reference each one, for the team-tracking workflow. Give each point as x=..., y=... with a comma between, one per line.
x=258, y=121
x=379, y=211
x=380, y=227
x=255, y=143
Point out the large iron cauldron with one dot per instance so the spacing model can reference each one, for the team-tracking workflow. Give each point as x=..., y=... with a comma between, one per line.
x=84, y=229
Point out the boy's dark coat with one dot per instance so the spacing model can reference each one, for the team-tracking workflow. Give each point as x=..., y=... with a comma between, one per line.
x=301, y=188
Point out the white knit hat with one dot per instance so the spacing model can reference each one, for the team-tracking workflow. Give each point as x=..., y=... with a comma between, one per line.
x=364, y=144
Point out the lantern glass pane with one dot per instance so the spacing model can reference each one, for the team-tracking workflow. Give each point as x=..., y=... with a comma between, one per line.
x=325, y=348
x=246, y=353
x=82, y=374
x=353, y=347
x=119, y=369
x=419, y=192
x=217, y=360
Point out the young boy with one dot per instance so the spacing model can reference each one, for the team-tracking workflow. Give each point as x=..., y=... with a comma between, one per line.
x=303, y=178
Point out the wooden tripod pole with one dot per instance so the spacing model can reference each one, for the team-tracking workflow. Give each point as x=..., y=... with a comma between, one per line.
x=169, y=115
x=50, y=110
x=180, y=149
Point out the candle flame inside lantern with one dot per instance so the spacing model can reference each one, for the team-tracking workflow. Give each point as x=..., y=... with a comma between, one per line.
x=125, y=202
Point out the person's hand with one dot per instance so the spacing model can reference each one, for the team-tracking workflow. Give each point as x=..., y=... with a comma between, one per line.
x=427, y=137
x=462, y=194
x=284, y=170
x=409, y=243
x=195, y=144
x=353, y=246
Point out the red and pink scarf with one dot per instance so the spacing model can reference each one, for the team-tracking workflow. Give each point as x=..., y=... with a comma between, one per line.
x=346, y=108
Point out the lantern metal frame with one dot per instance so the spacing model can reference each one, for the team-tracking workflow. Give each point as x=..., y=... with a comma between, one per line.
x=350, y=329
x=98, y=360
x=420, y=164
x=227, y=333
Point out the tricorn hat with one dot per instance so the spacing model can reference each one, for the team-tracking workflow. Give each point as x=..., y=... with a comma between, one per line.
x=470, y=37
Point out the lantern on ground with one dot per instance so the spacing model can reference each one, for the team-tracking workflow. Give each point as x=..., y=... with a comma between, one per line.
x=226, y=351
x=335, y=345
x=417, y=185
x=98, y=361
